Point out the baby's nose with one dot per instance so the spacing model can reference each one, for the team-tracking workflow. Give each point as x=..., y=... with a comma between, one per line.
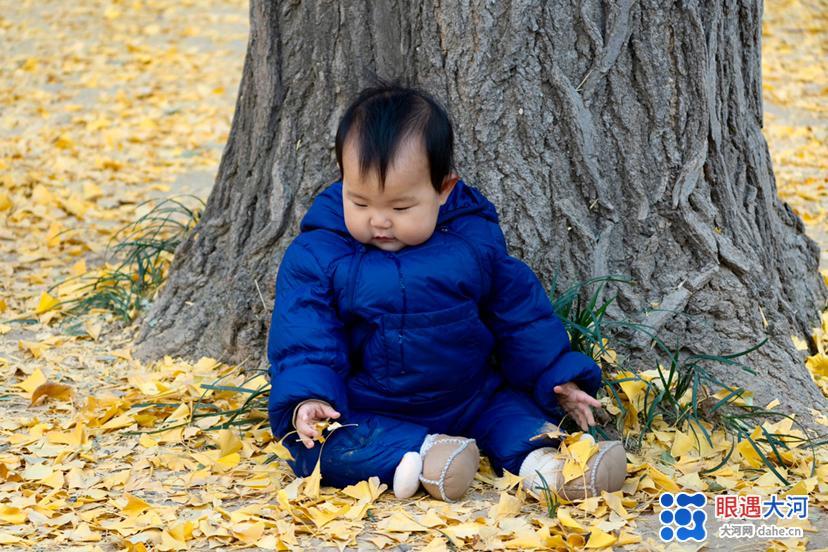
x=380, y=221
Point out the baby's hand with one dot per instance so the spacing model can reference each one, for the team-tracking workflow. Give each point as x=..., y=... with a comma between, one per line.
x=577, y=404
x=309, y=414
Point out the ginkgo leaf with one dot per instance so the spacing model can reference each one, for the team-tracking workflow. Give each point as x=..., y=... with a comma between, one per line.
x=35, y=380
x=311, y=487
x=228, y=442
x=600, y=539
x=52, y=390
x=134, y=506
x=280, y=449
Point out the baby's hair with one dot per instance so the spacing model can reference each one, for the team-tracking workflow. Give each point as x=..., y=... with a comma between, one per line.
x=383, y=116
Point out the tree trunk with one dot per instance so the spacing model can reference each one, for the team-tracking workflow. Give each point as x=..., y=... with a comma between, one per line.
x=618, y=137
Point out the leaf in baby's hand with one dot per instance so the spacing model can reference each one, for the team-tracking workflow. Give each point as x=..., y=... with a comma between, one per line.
x=320, y=428
x=333, y=426
x=554, y=434
x=52, y=390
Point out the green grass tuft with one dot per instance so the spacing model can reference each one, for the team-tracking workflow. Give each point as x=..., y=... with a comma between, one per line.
x=682, y=374
x=140, y=253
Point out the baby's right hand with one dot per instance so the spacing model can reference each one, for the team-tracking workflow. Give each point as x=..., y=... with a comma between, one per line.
x=309, y=414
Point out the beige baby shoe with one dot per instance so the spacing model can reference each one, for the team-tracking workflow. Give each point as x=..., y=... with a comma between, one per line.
x=605, y=471
x=407, y=475
x=449, y=465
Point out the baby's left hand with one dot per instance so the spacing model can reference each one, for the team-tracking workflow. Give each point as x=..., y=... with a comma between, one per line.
x=577, y=404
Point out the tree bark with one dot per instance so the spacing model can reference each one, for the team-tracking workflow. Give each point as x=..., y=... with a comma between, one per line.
x=615, y=137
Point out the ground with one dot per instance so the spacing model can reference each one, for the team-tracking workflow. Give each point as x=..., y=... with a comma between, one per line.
x=108, y=104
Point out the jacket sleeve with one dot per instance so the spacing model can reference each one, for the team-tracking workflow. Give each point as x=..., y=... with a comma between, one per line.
x=531, y=343
x=306, y=346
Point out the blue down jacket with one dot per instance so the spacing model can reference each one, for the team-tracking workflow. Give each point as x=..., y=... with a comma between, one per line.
x=426, y=334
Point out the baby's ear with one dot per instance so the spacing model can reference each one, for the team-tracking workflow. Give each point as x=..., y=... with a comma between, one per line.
x=448, y=185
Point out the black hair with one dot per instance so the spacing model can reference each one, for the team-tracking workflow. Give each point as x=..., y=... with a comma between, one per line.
x=385, y=115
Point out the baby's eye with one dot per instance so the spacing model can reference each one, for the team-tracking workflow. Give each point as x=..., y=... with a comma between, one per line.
x=359, y=204
x=402, y=208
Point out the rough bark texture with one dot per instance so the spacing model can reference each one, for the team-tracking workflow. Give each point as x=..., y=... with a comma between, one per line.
x=619, y=137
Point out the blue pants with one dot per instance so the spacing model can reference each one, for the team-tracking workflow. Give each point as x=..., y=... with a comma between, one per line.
x=375, y=447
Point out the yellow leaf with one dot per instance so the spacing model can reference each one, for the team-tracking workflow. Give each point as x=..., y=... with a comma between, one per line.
x=33, y=382
x=83, y=534
x=64, y=142
x=168, y=542
x=803, y=487
x=36, y=349
x=692, y=481
x=183, y=531
x=279, y=449
x=147, y=441
x=582, y=451
x=682, y=444
x=78, y=269
x=628, y=538
x=327, y=513
x=12, y=515
x=248, y=532
x=360, y=491
x=507, y=506
x=134, y=506
x=6, y=538
x=124, y=420
x=614, y=501
x=600, y=539
x=228, y=441
x=508, y=481
x=55, y=480
x=53, y=235
x=91, y=191
x=572, y=470
x=93, y=328
x=817, y=364
x=181, y=413
x=47, y=302
x=634, y=390
x=51, y=390
x=399, y=522
x=5, y=201
x=36, y=472
x=799, y=343
x=311, y=487
x=75, y=206
x=566, y=520
x=662, y=481
x=748, y=453
x=229, y=461
x=42, y=196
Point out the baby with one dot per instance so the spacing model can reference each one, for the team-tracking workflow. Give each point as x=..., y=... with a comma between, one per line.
x=399, y=310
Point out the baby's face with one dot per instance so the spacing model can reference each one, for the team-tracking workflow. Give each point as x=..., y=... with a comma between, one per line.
x=405, y=212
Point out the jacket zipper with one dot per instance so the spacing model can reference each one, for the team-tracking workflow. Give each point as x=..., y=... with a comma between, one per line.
x=401, y=331
x=352, y=277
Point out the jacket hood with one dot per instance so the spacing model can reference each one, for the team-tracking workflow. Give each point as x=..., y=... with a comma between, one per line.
x=463, y=201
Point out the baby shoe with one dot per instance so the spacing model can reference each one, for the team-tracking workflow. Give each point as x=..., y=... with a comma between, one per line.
x=449, y=465
x=605, y=471
x=407, y=475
